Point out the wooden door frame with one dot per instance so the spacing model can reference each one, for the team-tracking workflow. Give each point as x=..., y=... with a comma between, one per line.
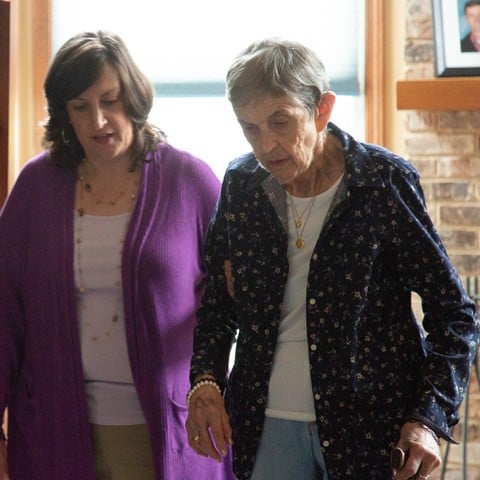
x=29, y=52
x=374, y=72
x=42, y=42
x=4, y=95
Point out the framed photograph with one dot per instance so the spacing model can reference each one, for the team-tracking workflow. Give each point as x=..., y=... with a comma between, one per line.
x=456, y=29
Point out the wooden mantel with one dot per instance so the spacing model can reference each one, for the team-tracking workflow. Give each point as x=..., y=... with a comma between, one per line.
x=452, y=93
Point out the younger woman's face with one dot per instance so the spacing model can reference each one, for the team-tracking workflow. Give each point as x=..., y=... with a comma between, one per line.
x=98, y=116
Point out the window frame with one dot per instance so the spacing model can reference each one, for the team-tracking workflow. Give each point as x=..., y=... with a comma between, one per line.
x=39, y=36
x=375, y=78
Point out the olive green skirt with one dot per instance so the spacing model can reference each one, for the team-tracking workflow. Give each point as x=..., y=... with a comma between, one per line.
x=122, y=452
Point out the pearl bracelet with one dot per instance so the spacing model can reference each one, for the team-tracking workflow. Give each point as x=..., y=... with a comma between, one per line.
x=200, y=384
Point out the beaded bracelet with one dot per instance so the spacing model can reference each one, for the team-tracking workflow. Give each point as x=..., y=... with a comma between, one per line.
x=200, y=384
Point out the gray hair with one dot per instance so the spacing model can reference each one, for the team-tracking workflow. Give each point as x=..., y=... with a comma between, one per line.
x=276, y=67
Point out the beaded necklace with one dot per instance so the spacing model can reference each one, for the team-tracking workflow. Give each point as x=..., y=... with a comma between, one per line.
x=82, y=288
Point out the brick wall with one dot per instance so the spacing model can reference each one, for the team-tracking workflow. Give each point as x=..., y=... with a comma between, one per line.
x=445, y=147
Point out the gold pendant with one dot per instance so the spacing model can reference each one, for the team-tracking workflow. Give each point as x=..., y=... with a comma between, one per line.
x=299, y=243
x=298, y=222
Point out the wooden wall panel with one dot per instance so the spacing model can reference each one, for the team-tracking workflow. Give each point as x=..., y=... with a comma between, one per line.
x=4, y=95
x=374, y=72
x=41, y=60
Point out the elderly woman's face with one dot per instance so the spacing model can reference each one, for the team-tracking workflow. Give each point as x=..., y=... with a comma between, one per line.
x=282, y=133
x=99, y=119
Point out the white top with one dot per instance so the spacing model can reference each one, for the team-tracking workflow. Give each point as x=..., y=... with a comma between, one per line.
x=290, y=389
x=111, y=395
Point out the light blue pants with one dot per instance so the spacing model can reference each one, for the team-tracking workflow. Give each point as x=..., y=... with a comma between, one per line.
x=289, y=450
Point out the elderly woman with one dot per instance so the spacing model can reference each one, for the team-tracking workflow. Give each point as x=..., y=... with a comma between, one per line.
x=315, y=248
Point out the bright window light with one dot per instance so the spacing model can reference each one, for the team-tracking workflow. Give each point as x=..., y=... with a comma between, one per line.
x=185, y=47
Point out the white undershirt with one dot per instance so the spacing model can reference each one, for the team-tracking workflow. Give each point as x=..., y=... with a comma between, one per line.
x=290, y=388
x=111, y=395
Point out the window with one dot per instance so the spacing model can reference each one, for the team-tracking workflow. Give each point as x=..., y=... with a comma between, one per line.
x=185, y=47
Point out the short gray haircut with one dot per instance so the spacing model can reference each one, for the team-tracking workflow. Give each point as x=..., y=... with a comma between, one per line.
x=277, y=67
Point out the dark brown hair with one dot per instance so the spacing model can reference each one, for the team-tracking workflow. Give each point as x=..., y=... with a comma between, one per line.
x=75, y=67
x=470, y=3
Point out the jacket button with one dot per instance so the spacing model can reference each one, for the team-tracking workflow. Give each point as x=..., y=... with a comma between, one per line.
x=326, y=443
x=317, y=396
x=312, y=301
x=313, y=348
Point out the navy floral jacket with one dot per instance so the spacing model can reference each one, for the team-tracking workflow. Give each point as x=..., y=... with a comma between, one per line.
x=373, y=365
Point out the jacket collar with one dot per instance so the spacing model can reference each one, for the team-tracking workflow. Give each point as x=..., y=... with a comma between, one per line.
x=361, y=169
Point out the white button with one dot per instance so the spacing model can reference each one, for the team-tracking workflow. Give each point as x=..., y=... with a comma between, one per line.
x=313, y=348
x=312, y=301
x=315, y=256
x=326, y=443
x=317, y=396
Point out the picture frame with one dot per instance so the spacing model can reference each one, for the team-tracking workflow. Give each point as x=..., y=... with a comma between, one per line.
x=449, y=28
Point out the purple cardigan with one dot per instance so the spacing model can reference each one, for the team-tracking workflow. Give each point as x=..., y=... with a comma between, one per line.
x=41, y=379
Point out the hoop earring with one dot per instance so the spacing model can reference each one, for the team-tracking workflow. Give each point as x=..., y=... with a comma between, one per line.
x=66, y=141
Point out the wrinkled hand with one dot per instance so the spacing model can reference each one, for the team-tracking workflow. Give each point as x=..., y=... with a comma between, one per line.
x=3, y=461
x=423, y=452
x=208, y=427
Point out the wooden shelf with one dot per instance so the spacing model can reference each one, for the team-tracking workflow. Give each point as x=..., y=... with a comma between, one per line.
x=452, y=93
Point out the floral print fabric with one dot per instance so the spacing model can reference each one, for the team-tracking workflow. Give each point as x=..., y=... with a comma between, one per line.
x=373, y=365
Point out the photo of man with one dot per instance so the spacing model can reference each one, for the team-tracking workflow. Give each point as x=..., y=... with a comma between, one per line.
x=470, y=42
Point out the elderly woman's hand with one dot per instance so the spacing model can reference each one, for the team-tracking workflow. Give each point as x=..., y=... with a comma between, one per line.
x=208, y=426
x=423, y=452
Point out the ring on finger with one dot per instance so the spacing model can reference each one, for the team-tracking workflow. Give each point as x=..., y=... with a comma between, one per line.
x=422, y=477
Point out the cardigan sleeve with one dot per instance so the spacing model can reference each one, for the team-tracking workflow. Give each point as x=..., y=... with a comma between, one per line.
x=13, y=218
